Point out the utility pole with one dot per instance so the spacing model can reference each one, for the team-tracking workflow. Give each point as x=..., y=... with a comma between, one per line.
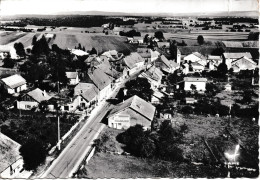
x=59, y=133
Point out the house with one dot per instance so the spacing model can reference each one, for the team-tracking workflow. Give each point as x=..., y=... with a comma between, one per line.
x=197, y=67
x=10, y=156
x=213, y=62
x=73, y=78
x=79, y=52
x=138, y=39
x=163, y=45
x=131, y=112
x=32, y=99
x=194, y=57
x=185, y=68
x=108, y=69
x=14, y=84
x=5, y=49
x=165, y=65
x=92, y=60
x=154, y=76
x=200, y=83
x=243, y=63
x=102, y=81
x=228, y=58
x=134, y=62
x=157, y=97
x=148, y=54
x=189, y=100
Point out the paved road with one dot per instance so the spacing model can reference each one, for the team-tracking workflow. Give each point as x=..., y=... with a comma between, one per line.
x=71, y=157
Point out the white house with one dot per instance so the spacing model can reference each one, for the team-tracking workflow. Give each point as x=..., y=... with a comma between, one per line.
x=73, y=78
x=78, y=52
x=231, y=57
x=131, y=112
x=14, y=84
x=200, y=83
x=10, y=50
x=190, y=100
x=138, y=39
x=194, y=57
x=134, y=62
x=197, y=67
x=157, y=97
x=243, y=63
x=32, y=99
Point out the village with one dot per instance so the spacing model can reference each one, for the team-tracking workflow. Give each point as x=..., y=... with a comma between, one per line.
x=50, y=96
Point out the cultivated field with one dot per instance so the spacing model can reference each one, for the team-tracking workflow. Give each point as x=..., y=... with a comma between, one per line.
x=70, y=38
x=8, y=37
x=100, y=42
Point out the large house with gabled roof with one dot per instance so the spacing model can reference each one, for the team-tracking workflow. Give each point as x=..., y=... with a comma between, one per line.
x=132, y=111
x=32, y=99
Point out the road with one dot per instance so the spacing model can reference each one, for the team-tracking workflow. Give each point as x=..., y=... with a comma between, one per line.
x=71, y=157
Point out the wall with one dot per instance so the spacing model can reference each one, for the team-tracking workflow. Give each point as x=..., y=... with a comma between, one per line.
x=22, y=105
x=199, y=86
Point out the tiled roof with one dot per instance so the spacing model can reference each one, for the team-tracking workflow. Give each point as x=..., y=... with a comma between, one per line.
x=194, y=79
x=39, y=95
x=237, y=55
x=214, y=57
x=14, y=81
x=89, y=91
x=9, y=152
x=165, y=61
x=99, y=78
x=198, y=55
x=107, y=68
x=154, y=73
x=132, y=59
x=71, y=75
x=138, y=105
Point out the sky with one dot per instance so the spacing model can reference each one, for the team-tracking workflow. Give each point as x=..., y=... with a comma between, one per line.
x=13, y=7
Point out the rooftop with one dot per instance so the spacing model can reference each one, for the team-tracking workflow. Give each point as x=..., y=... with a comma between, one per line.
x=195, y=79
x=39, y=95
x=132, y=59
x=14, y=81
x=99, y=78
x=137, y=104
x=71, y=75
x=89, y=91
x=9, y=151
x=237, y=55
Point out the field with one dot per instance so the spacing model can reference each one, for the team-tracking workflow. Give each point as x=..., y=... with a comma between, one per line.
x=71, y=37
x=7, y=37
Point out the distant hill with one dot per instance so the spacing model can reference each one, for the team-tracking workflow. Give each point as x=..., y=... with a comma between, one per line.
x=104, y=13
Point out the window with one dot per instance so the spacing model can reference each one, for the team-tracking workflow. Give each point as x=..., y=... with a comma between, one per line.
x=27, y=106
x=66, y=108
x=119, y=124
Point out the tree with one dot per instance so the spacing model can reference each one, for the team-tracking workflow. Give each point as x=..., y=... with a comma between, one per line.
x=200, y=39
x=146, y=39
x=173, y=49
x=79, y=47
x=19, y=49
x=193, y=87
x=247, y=98
x=253, y=36
x=159, y=35
x=41, y=46
x=8, y=62
x=93, y=51
x=140, y=87
x=33, y=154
x=34, y=40
x=222, y=69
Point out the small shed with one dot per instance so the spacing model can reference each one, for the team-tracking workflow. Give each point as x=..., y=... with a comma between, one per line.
x=190, y=100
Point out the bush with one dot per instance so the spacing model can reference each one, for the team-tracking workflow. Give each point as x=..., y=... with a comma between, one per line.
x=33, y=154
x=187, y=110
